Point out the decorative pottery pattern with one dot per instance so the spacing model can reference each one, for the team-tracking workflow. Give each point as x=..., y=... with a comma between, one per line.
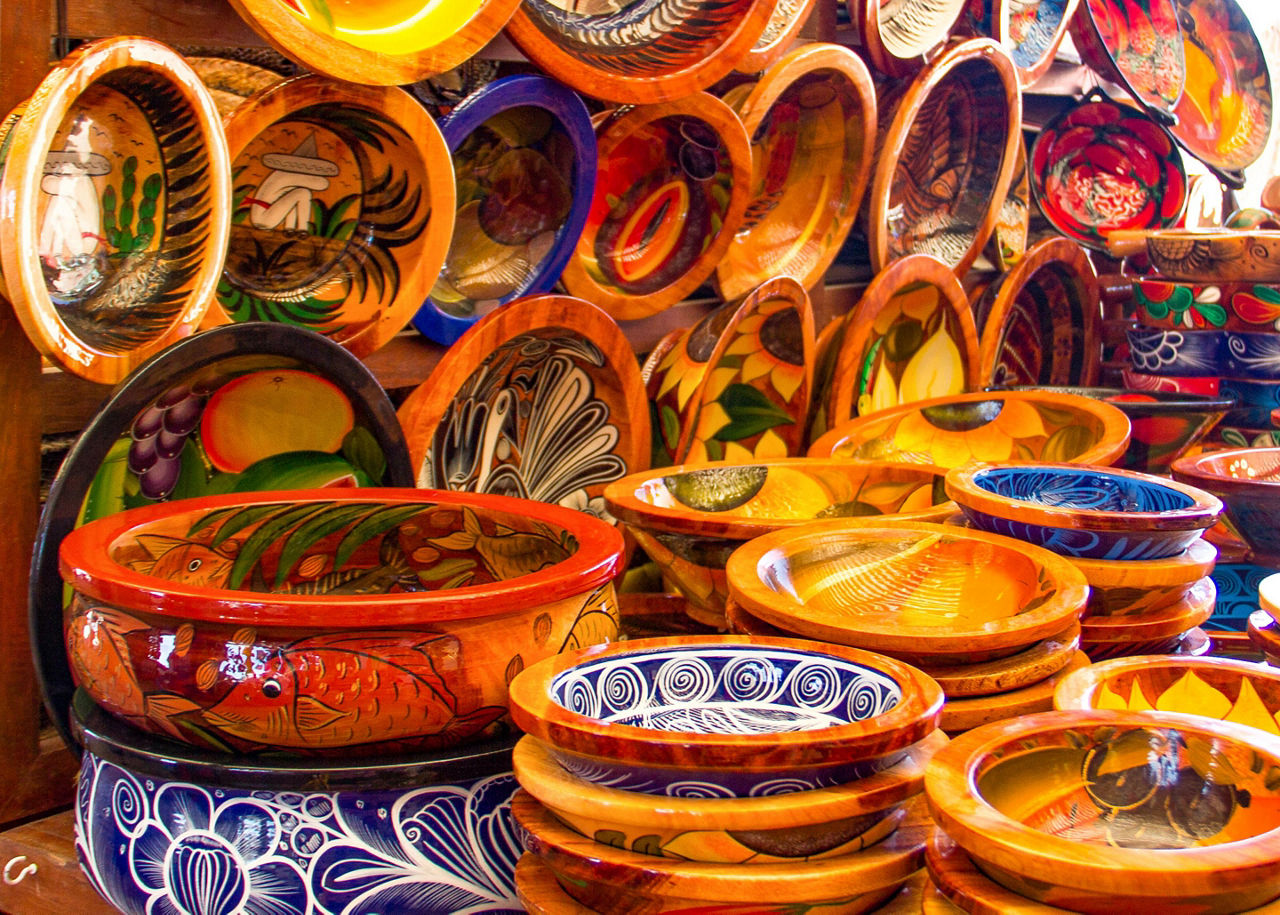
x=1237, y=584
x=1031, y=31
x=1233, y=306
x=897, y=36
x=785, y=22
x=1177, y=352
x=1215, y=255
x=1082, y=490
x=1255, y=356
x=1139, y=43
x=1236, y=437
x=1245, y=480
x=1207, y=385
x=1009, y=237
x=1254, y=401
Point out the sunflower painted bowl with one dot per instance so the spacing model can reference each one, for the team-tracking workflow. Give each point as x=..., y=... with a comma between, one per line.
x=1233, y=305
x=724, y=716
x=1137, y=45
x=330, y=621
x=931, y=594
x=772, y=829
x=689, y=518
x=1094, y=512
x=1116, y=811
x=1247, y=480
x=994, y=426
x=524, y=164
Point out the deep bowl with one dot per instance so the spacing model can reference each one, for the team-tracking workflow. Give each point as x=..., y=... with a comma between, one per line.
x=724, y=716
x=336, y=621
x=1247, y=480
x=1093, y=512
x=1235, y=305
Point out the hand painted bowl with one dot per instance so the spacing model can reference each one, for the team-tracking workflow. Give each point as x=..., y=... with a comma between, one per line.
x=724, y=716
x=994, y=426
x=1017, y=671
x=1102, y=166
x=671, y=191
x=524, y=161
x=344, y=204
x=1137, y=45
x=118, y=200
x=1120, y=587
x=1167, y=622
x=1234, y=305
x=340, y=621
x=1246, y=481
x=1254, y=402
x=615, y=881
x=1255, y=356
x=1244, y=437
x=773, y=829
x=1210, y=255
x=788, y=19
x=929, y=593
x=1084, y=511
x=966, y=713
x=1177, y=352
x=1207, y=385
x=1264, y=631
x=1116, y=811
x=898, y=37
x=689, y=518
x=1009, y=237
x=163, y=827
x=540, y=891
x=1031, y=33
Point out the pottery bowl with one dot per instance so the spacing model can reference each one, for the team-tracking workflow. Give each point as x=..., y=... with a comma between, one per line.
x=1093, y=512
x=995, y=426
x=1152, y=70
x=968, y=712
x=335, y=621
x=1207, y=255
x=1254, y=402
x=1264, y=631
x=897, y=38
x=1252, y=355
x=1169, y=621
x=1120, y=587
x=1194, y=353
x=771, y=829
x=724, y=716
x=1247, y=480
x=1238, y=305
x=689, y=518
x=164, y=827
x=615, y=881
x=1208, y=385
x=909, y=589
x=1116, y=811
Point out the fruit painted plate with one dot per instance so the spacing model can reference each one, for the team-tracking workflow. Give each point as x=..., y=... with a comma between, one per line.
x=344, y=206
x=117, y=197
x=240, y=408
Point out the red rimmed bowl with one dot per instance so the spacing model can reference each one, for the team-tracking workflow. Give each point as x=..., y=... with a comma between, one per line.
x=1247, y=480
x=1116, y=811
x=724, y=716
x=319, y=621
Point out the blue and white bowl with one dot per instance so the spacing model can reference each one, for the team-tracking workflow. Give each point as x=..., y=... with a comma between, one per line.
x=1184, y=353
x=1255, y=356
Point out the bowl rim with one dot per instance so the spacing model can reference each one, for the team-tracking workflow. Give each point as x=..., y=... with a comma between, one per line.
x=965, y=713
x=865, y=14
x=1189, y=566
x=1080, y=689
x=1269, y=596
x=1193, y=470
x=767, y=51
x=1067, y=600
x=952, y=793
x=1188, y=612
x=1002, y=33
x=912, y=719
x=962, y=484
x=1163, y=403
x=956, y=679
x=1084, y=27
x=86, y=566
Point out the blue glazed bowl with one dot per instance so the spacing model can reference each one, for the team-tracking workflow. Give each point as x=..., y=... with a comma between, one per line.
x=524, y=157
x=1254, y=401
x=161, y=827
x=1088, y=512
x=1184, y=353
x=1255, y=356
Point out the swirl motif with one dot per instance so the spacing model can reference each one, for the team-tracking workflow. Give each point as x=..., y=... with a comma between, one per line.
x=868, y=699
x=779, y=786
x=128, y=805
x=685, y=680
x=578, y=696
x=1081, y=490
x=751, y=680
x=815, y=686
x=623, y=689
x=1253, y=356
x=695, y=790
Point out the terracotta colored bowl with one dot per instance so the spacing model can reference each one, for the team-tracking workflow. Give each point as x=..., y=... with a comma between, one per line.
x=966, y=713
x=1246, y=481
x=1017, y=671
x=1166, y=622
x=898, y=37
x=1150, y=381
x=995, y=426
x=797, y=826
x=1255, y=401
x=1116, y=811
x=930, y=593
x=785, y=23
x=962, y=885
x=1151, y=69
x=541, y=893
x=1210, y=255
x=1112, y=579
x=327, y=620
x=615, y=881
x=1238, y=305
x=1264, y=632
x=726, y=716
x=1095, y=512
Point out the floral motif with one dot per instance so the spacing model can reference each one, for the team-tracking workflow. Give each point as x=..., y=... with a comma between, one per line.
x=984, y=438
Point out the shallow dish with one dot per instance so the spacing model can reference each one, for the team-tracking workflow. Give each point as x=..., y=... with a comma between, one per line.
x=965, y=714
x=1167, y=622
x=910, y=589
x=1193, y=353
x=1247, y=480
x=1017, y=671
x=1237, y=305
x=418, y=606
x=1152, y=69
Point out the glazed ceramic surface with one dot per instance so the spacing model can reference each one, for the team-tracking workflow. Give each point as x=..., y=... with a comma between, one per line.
x=1100, y=811
x=1238, y=305
x=118, y=195
x=330, y=620
x=1009, y=237
x=1245, y=480
x=1237, y=584
x=1254, y=402
x=524, y=160
x=541, y=400
x=1193, y=353
x=1170, y=621
x=1084, y=511
x=1031, y=33
x=995, y=426
x=1255, y=356
x=897, y=37
x=1136, y=44
x=1264, y=631
x=343, y=203
x=540, y=892
x=785, y=23
x=1017, y=671
x=1213, y=255
x=910, y=589
x=163, y=828
x=966, y=713
x=671, y=191
x=1207, y=385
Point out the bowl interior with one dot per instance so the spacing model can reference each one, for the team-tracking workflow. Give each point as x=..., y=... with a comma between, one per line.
x=396, y=28
x=735, y=689
x=1257, y=464
x=1154, y=68
x=1081, y=490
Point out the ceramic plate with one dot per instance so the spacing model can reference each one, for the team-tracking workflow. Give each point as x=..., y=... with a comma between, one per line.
x=238, y=408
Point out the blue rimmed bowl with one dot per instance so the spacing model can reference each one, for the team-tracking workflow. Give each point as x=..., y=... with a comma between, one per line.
x=524, y=159
x=1156, y=351
x=1255, y=356
x=1090, y=512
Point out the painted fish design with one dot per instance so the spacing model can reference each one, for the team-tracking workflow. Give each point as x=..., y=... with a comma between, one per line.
x=507, y=553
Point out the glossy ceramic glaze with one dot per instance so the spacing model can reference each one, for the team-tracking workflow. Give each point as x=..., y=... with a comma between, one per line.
x=162, y=827
x=812, y=122
x=1252, y=355
x=1117, y=582
x=117, y=194
x=963, y=887
x=1031, y=33
x=1169, y=621
x=1017, y=671
x=1137, y=45
x=672, y=188
x=540, y=892
x=1238, y=305
x=1107, y=811
x=909, y=589
x=1254, y=402
x=1264, y=631
x=946, y=154
x=1245, y=480
x=1237, y=584
x=994, y=426
x=898, y=37
x=1207, y=385
x=1213, y=255
x=326, y=620
x=966, y=713
x=1009, y=237
x=785, y=23
x=1244, y=437
x=1193, y=353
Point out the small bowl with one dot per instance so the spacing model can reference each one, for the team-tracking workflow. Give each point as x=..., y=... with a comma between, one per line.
x=1177, y=352
x=1247, y=480
x=784, y=25
x=1153, y=71
x=1113, y=578
x=995, y=426
x=1116, y=811
x=1017, y=671
x=909, y=590
x=797, y=826
x=1206, y=385
x=1094, y=512
x=1233, y=305
x=417, y=605
x=1167, y=622
x=1252, y=355
x=965, y=714
x=728, y=715
x=898, y=38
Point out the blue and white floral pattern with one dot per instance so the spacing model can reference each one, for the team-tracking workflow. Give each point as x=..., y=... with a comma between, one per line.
x=1253, y=356
x=1176, y=352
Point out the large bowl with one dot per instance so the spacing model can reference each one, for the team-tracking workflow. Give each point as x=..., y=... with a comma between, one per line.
x=1094, y=512
x=1115, y=585
x=336, y=621
x=1255, y=400
x=724, y=716
x=930, y=593
x=1245, y=479
x=1116, y=811
x=995, y=426
x=1152, y=69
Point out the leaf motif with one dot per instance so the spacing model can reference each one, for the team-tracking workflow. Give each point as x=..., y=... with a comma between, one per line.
x=267, y=534
x=233, y=520
x=315, y=529
x=377, y=523
x=750, y=413
x=364, y=453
